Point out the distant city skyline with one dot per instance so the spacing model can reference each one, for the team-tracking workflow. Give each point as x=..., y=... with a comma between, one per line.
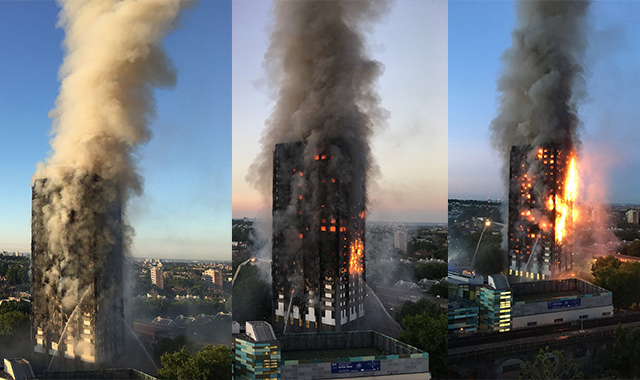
x=479, y=32
x=186, y=166
x=411, y=150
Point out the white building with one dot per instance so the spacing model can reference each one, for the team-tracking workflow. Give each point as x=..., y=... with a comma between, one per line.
x=558, y=301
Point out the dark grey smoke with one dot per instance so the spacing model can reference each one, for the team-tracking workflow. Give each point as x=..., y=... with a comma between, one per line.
x=325, y=88
x=542, y=81
x=541, y=86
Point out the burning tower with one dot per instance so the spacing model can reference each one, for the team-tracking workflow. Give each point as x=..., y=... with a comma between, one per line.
x=318, y=261
x=317, y=147
x=76, y=267
x=113, y=61
x=536, y=132
x=541, y=211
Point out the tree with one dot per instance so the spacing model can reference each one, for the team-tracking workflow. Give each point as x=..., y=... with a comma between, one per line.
x=632, y=249
x=168, y=345
x=434, y=271
x=414, y=308
x=239, y=234
x=440, y=289
x=251, y=296
x=626, y=357
x=13, y=321
x=490, y=258
x=199, y=289
x=551, y=365
x=441, y=253
x=211, y=362
x=22, y=306
x=425, y=327
x=628, y=235
x=16, y=274
x=622, y=279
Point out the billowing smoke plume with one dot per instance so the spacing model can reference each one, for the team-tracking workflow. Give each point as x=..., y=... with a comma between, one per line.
x=542, y=79
x=113, y=62
x=536, y=132
x=324, y=84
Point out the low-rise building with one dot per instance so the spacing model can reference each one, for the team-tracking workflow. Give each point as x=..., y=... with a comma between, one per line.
x=256, y=352
x=260, y=354
x=462, y=317
x=463, y=285
x=16, y=369
x=558, y=301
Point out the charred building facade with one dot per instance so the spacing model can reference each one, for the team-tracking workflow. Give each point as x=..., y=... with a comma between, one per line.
x=540, y=212
x=76, y=265
x=318, y=263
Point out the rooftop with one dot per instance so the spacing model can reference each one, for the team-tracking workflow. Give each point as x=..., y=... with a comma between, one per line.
x=498, y=282
x=553, y=289
x=260, y=331
x=18, y=368
x=336, y=353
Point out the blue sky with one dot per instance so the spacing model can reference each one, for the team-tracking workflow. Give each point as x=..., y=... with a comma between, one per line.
x=185, y=211
x=478, y=34
x=411, y=150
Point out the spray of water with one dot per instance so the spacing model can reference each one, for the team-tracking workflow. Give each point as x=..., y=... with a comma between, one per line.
x=140, y=343
x=71, y=318
x=393, y=320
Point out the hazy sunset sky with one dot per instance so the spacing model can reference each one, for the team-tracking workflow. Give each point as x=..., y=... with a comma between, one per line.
x=411, y=150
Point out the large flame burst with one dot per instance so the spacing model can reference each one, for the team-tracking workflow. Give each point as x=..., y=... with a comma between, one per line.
x=564, y=203
x=355, y=259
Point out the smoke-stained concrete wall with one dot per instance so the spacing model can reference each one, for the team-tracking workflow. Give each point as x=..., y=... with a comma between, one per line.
x=83, y=286
x=113, y=61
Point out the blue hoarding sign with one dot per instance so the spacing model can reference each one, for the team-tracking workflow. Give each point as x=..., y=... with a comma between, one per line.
x=563, y=304
x=367, y=366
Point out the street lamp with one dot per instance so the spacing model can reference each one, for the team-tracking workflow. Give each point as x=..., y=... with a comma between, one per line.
x=487, y=223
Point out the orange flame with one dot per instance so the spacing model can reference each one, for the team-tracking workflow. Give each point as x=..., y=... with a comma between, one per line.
x=564, y=204
x=355, y=259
